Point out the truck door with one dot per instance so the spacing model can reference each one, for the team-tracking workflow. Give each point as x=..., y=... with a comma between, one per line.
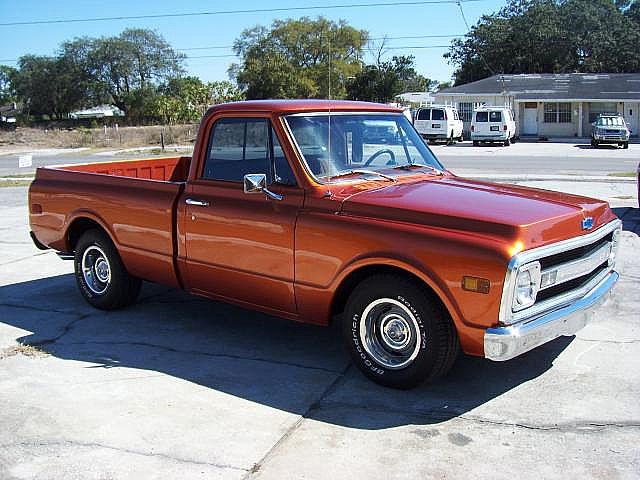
x=240, y=246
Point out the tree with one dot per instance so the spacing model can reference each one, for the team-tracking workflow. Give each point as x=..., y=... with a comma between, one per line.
x=114, y=67
x=47, y=85
x=298, y=58
x=548, y=36
x=7, y=89
x=382, y=82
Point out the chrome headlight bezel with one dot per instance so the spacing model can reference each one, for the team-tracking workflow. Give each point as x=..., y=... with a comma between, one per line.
x=526, y=286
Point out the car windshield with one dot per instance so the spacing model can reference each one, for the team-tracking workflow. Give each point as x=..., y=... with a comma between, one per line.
x=610, y=122
x=340, y=144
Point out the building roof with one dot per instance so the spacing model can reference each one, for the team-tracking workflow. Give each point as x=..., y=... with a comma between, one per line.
x=550, y=86
x=99, y=111
x=416, y=97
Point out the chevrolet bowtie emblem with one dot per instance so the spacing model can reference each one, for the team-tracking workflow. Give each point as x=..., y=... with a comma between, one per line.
x=587, y=223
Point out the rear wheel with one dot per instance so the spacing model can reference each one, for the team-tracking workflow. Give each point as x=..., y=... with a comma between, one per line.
x=476, y=143
x=594, y=144
x=625, y=145
x=102, y=278
x=397, y=333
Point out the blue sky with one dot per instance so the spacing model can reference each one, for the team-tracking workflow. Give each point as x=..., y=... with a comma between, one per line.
x=193, y=33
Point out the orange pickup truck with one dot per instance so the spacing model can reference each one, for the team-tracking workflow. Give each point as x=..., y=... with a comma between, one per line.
x=322, y=211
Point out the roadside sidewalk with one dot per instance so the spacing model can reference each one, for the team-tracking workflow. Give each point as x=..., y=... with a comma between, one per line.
x=539, y=139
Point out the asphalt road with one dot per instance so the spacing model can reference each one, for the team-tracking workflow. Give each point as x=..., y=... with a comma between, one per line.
x=521, y=158
x=181, y=387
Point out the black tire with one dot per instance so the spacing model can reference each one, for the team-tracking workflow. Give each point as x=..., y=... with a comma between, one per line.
x=594, y=144
x=426, y=353
x=100, y=274
x=507, y=142
x=625, y=145
x=450, y=139
x=476, y=143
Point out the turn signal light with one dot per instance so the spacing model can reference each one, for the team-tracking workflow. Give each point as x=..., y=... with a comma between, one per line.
x=475, y=284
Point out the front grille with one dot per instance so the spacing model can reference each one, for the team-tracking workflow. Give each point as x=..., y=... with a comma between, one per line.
x=569, y=270
x=575, y=254
x=574, y=284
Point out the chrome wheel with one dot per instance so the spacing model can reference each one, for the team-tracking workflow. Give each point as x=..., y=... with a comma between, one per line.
x=96, y=270
x=390, y=334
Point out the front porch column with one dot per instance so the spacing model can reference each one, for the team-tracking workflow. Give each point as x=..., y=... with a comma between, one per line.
x=580, y=119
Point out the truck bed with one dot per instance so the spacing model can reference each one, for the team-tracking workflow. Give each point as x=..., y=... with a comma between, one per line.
x=168, y=169
x=135, y=201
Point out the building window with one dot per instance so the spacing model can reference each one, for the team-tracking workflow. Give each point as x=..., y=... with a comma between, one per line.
x=556, y=112
x=465, y=109
x=597, y=108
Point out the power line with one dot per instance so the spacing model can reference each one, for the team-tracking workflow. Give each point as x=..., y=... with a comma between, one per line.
x=464, y=19
x=235, y=12
x=189, y=57
x=405, y=37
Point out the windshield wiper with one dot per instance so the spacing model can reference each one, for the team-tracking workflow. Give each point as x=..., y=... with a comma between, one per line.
x=365, y=172
x=409, y=166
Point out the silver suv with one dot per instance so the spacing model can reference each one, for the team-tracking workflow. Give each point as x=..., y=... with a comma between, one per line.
x=610, y=129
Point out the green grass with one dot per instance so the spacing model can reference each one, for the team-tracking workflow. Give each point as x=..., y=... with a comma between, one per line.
x=19, y=175
x=15, y=183
x=622, y=174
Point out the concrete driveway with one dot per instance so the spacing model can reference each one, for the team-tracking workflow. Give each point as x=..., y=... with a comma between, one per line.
x=181, y=387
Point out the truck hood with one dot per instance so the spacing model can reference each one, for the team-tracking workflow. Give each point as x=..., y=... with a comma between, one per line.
x=532, y=216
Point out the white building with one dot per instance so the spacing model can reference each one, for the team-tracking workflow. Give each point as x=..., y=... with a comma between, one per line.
x=552, y=105
x=101, y=111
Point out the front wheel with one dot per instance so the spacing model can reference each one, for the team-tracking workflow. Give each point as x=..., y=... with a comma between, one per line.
x=625, y=145
x=397, y=333
x=100, y=274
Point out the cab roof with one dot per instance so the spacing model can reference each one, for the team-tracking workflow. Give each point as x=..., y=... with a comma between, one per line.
x=301, y=106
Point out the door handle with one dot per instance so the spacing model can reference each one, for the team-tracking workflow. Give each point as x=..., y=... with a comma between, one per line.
x=193, y=201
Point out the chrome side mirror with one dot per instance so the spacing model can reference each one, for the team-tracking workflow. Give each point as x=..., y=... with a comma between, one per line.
x=257, y=183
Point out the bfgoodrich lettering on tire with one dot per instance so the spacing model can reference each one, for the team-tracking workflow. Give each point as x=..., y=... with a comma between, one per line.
x=398, y=333
x=102, y=278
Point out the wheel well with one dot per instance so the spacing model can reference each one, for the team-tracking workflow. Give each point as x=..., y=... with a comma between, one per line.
x=77, y=228
x=354, y=278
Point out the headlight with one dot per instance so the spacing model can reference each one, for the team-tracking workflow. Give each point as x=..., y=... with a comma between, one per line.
x=527, y=286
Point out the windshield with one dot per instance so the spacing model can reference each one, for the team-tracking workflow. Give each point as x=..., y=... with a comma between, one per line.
x=610, y=122
x=340, y=144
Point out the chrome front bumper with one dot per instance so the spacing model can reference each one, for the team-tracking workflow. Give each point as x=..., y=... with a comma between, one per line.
x=505, y=343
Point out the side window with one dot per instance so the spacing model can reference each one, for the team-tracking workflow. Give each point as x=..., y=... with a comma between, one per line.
x=282, y=170
x=240, y=146
x=237, y=146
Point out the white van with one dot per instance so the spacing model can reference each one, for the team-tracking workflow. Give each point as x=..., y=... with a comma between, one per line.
x=439, y=122
x=493, y=124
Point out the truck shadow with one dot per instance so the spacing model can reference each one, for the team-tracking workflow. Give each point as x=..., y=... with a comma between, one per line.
x=302, y=369
x=630, y=218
